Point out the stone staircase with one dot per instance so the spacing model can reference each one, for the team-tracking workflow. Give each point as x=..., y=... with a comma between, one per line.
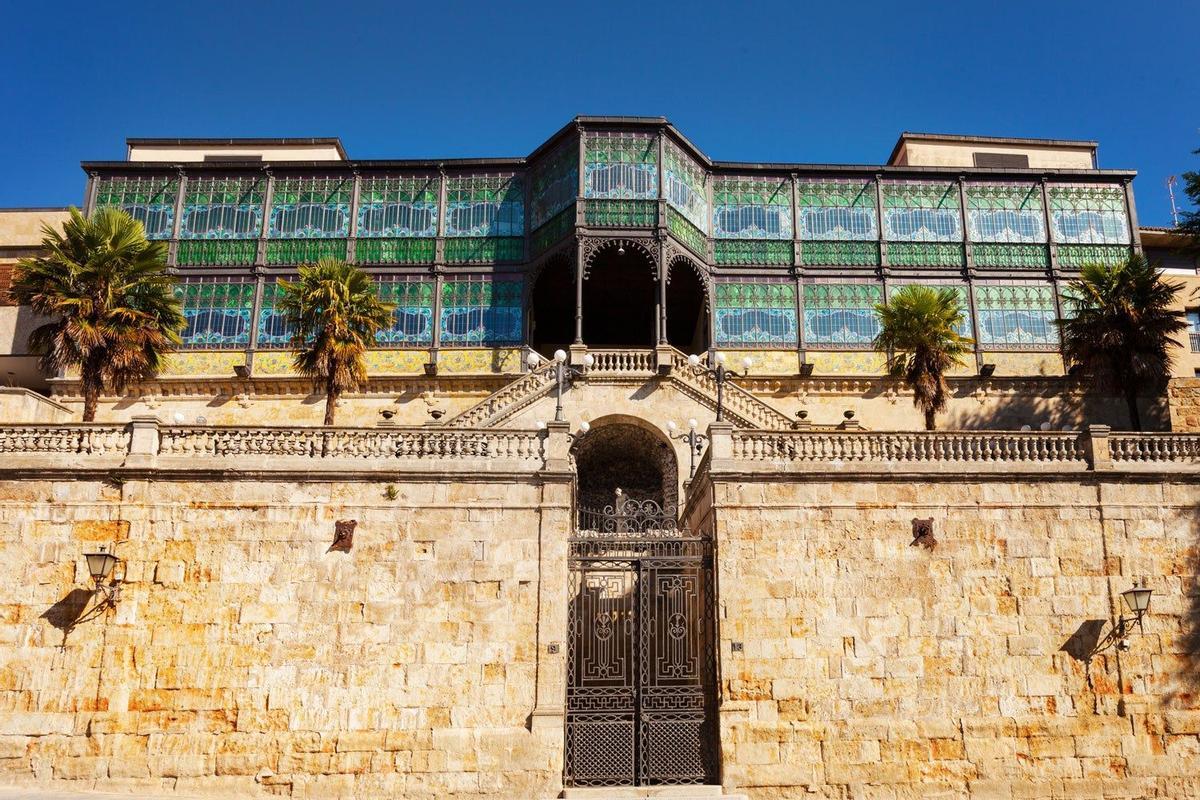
x=743, y=408
x=507, y=400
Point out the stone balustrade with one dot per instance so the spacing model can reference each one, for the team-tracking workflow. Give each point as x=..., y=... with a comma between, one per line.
x=1154, y=447
x=1095, y=448
x=622, y=362
x=85, y=439
x=144, y=442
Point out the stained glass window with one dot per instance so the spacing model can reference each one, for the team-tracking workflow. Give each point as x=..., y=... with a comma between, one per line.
x=752, y=208
x=1016, y=314
x=1005, y=212
x=481, y=310
x=761, y=313
x=150, y=200
x=837, y=210
x=621, y=166
x=841, y=313
x=921, y=211
x=1088, y=214
x=310, y=208
x=398, y=206
x=274, y=333
x=555, y=183
x=685, y=184
x=217, y=312
x=485, y=205
x=223, y=208
x=412, y=313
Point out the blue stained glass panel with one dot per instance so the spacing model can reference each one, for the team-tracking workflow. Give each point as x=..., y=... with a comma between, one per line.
x=481, y=310
x=752, y=208
x=485, y=205
x=216, y=313
x=620, y=166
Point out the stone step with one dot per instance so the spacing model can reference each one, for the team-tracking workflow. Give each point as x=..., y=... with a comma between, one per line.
x=705, y=792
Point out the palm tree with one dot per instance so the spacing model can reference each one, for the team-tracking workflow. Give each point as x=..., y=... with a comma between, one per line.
x=334, y=313
x=109, y=298
x=918, y=330
x=1122, y=328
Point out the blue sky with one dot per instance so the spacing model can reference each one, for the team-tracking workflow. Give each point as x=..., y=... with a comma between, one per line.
x=762, y=81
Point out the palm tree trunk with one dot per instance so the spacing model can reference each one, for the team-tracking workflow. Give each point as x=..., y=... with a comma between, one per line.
x=331, y=398
x=91, y=398
x=930, y=421
x=1135, y=419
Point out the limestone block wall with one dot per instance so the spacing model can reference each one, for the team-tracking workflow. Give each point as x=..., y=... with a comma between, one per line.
x=247, y=657
x=1184, y=397
x=855, y=665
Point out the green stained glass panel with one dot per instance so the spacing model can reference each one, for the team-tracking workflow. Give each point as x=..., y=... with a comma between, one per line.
x=1019, y=315
x=216, y=313
x=748, y=252
x=394, y=251
x=304, y=251
x=150, y=200
x=484, y=250
x=482, y=310
x=756, y=313
x=841, y=313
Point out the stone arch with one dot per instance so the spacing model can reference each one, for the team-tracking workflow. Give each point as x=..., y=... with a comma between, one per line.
x=688, y=312
x=626, y=452
x=620, y=293
x=550, y=302
x=594, y=247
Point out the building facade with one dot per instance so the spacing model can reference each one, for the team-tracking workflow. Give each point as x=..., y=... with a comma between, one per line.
x=502, y=576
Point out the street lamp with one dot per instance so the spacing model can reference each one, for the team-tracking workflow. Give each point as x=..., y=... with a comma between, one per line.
x=1137, y=600
x=561, y=369
x=720, y=375
x=100, y=567
x=694, y=439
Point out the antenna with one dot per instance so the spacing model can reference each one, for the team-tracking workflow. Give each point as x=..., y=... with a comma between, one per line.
x=1171, y=192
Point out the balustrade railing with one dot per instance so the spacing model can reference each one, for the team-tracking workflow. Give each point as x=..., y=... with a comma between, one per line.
x=515, y=395
x=87, y=439
x=846, y=447
x=1149, y=447
x=350, y=443
x=741, y=403
x=622, y=362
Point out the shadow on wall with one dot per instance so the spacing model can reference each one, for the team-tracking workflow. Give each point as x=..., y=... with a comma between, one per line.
x=1186, y=689
x=1074, y=412
x=69, y=612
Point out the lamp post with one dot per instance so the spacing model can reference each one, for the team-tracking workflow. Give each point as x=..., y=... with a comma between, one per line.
x=561, y=370
x=720, y=375
x=694, y=439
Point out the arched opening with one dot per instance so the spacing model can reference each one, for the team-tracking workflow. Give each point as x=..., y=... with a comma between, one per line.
x=552, y=308
x=629, y=457
x=687, y=320
x=618, y=299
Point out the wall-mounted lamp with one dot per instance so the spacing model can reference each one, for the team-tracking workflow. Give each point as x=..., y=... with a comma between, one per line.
x=1137, y=600
x=987, y=370
x=100, y=566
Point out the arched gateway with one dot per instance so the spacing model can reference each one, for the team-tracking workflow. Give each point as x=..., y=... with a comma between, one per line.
x=640, y=673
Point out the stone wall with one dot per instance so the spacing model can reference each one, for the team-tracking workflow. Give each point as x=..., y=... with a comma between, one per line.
x=866, y=667
x=1183, y=395
x=247, y=656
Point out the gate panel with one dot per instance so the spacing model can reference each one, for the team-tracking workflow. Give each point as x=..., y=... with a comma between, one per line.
x=640, y=657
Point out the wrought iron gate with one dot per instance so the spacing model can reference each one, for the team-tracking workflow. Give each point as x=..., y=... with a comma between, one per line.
x=640, y=658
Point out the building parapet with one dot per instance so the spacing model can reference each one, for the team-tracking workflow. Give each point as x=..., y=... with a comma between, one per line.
x=1003, y=452
x=145, y=443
